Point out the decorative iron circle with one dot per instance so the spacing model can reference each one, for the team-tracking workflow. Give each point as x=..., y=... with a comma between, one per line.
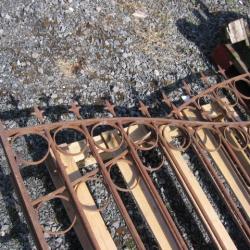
x=228, y=89
x=207, y=95
x=186, y=138
x=242, y=132
x=115, y=185
x=159, y=166
x=214, y=133
x=64, y=151
x=90, y=208
x=208, y=113
x=238, y=92
x=110, y=125
x=62, y=232
x=156, y=168
x=27, y=162
x=138, y=144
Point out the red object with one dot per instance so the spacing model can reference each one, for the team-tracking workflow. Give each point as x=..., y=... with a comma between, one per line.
x=221, y=57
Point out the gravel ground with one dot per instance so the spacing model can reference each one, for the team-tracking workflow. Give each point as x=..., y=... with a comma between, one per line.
x=92, y=49
x=56, y=50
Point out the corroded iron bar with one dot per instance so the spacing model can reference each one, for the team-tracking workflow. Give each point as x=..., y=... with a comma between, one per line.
x=123, y=120
x=108, y=180
x=174, y=230
x=20, y=188
x=234, y=211
x=90, y=240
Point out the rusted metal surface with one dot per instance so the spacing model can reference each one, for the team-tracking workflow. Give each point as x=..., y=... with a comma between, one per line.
x=226, y=96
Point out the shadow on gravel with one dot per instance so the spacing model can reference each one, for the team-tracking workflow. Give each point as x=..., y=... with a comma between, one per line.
x=209, y=32
x=55, y=113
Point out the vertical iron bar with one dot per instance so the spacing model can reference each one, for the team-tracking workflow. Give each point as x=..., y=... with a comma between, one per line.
x=237, y=216
x=28, y=209
x=106, y=176
x=147, y=179
x=177, y=168
x=231, y=152
x=115, y=194
x=91, y=241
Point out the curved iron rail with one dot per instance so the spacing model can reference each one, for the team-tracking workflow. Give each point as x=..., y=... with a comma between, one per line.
x=187, y=137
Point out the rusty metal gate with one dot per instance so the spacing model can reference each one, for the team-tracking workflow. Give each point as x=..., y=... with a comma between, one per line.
x=214, y=124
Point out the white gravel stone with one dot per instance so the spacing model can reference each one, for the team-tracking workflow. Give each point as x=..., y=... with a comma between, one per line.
x=156, y=72
x=35, y=55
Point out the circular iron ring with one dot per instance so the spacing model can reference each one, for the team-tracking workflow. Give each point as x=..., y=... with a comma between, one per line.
x=27, y=162
x=62, y=232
